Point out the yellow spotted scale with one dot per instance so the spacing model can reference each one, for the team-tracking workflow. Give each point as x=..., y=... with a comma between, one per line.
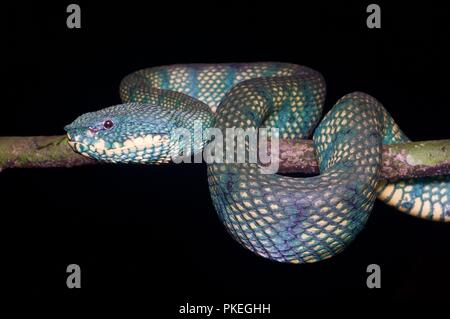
x=295, y=220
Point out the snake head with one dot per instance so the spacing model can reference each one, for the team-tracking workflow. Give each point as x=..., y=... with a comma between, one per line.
x=132, y=132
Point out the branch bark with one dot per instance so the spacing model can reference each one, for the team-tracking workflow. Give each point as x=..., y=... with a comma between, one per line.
x=407, y=160
x=414, y=159
x=39, y=151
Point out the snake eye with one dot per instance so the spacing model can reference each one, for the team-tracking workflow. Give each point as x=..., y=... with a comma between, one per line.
x=108, y=124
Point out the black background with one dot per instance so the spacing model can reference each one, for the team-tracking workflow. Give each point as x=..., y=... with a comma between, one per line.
x=151, y=233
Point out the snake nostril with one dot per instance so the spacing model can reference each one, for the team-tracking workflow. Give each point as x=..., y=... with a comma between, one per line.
x=93, y=129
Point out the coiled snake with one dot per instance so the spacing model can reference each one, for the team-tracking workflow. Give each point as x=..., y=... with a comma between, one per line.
x=286, y=219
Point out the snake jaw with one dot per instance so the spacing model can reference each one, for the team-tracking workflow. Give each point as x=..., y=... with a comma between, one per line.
x=80, y=148
x=150, y=148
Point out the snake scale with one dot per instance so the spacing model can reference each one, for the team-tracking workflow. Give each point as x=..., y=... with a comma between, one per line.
x=287, y=219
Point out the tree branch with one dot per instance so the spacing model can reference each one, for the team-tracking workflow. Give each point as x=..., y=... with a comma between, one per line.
x=414, y=159
x=39, y=151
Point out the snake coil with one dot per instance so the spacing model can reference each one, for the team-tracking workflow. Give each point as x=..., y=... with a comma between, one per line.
x=282, y=218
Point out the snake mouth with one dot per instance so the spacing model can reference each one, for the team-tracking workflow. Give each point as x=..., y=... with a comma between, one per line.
x=74, y=143
x=134, y=149
x=79, y=147
x=140, y=143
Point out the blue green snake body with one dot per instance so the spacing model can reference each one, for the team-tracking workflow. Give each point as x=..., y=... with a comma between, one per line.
x=295, y=220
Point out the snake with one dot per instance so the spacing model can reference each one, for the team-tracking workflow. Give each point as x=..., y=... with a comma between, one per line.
x=283, y=218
